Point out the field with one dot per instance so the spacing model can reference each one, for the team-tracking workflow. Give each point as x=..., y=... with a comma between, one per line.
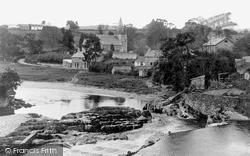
x=102, y=80
x=32, y=73
x=116, y=82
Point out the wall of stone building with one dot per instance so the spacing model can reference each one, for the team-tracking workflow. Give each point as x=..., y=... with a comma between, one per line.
x=78, y=63
x=123, y=39
x=150, y=61
x=209, y=104
x=222, y=45
x=116, y=47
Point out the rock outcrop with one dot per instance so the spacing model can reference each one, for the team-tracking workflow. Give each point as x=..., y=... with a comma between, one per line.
x=100, y=120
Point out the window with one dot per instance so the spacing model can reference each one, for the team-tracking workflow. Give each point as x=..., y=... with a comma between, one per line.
x=151, y=63
x=225, y=41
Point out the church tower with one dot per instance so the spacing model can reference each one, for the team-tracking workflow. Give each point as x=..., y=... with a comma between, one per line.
x=122, y=37
x=120, y=28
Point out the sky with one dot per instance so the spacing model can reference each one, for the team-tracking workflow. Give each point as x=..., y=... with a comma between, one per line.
x=137, y=12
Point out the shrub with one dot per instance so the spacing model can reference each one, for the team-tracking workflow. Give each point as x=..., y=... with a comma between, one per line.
x=51, y=57
x=100, y=67
x=9, y=80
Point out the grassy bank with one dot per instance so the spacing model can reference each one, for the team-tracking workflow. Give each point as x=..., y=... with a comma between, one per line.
x=32, y=73
x=117, y=82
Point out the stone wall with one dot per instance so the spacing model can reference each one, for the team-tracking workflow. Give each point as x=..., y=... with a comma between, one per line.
x=210, y=104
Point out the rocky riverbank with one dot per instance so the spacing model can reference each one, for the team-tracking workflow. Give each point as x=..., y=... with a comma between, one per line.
x=89, y=126
x=200, y=106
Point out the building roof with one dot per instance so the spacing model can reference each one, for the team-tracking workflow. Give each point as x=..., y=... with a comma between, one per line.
x=122, y=67
x=215, y=41
x=124, y=55
x=140, y=59
x=109, y=39
x=67, y=60
x=153, y=53
x=78, y=55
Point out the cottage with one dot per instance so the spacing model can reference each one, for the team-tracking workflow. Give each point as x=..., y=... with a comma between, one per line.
x=144, y=63
x=67, y=63
x=218, y=43
x=122, y=69
x=76, y=61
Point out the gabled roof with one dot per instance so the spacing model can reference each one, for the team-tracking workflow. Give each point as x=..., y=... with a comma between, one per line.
x=216, y=41
x=109, y=39
x=153, y=53
x=140, y=59
x=78, y=55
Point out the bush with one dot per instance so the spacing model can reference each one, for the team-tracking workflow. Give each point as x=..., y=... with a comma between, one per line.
x=9, y=80
x=100, y=67
x=52, y=57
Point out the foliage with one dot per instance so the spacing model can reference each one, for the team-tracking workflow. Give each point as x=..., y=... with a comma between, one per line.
x=51, y=36
x=100, y=29
x=178, y=64
x=50, y=57
x=9, y=80
x=91, y=44
x=100, y=67
x=10, y=44
x=68, y=39
x=131, y=35
x=158, y=30
x=200, y=31
x=242, y=45
x=72, y=25
x=110, y=33
x=34, y=46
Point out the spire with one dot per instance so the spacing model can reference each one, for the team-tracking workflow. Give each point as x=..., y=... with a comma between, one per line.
x=120, y=28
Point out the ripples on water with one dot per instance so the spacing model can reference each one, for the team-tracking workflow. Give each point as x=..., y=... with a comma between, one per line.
x=226, y=140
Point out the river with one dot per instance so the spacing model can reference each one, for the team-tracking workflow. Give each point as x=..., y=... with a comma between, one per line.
x=189, y=138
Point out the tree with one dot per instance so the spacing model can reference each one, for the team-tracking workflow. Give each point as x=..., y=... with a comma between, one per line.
x=172, y=66
x=110, y=33
x=72, y=25
x=68, y=39
x=112, y=48
x=131, y=36
x=242, y=45
x=10, y=44
x=9, y=80
x=201, y=32
x=91, y=44
x=158, y=30
x=34, y=46
x=51, y=36
x=100, y=29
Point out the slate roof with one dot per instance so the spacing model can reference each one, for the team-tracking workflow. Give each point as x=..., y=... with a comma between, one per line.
x=109, y=39
x=153, y=53
x=79, y=55
x=140, y=59
x=215, y=41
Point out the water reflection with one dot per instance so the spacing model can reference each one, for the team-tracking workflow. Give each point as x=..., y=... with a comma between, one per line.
x=55, y=103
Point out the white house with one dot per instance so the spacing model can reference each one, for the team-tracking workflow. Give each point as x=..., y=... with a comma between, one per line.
x=76, y=61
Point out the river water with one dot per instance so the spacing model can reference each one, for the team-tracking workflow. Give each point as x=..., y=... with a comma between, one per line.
x=190, y=138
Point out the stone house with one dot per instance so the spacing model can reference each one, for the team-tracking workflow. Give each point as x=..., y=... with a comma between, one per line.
x=145, y=63
x=76, y=61
x=122, y=69
x=215, y=44
x=118, y=41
